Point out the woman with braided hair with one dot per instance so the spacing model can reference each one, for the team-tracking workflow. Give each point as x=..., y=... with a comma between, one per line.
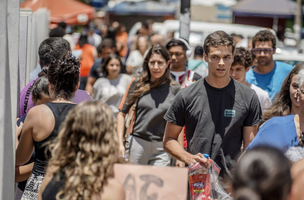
x=83, y=156
x=42, y=122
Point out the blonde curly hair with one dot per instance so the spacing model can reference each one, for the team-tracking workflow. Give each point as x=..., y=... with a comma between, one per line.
x=85, y=151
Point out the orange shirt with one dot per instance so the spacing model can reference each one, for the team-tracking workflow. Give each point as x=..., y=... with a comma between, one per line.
x=123, y=39
x=87, y=59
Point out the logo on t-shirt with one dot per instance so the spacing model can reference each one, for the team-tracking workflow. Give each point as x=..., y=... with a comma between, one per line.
x=229, y=113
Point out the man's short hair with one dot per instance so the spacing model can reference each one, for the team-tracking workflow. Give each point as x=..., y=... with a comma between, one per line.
x=242, y=57
x=264, y=36
x=106, y=43
x=199, y=51
x=218, y=38
x=175, y=42
x=57, y=32
x=52, y=49
x=62, y=25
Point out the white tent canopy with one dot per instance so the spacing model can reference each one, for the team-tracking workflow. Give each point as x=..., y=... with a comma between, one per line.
x=213, y=2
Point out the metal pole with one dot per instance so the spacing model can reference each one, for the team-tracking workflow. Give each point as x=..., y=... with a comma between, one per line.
x=298, y=22
x=185, y=19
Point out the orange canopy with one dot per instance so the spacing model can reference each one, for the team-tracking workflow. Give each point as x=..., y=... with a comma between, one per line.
x=69, y=11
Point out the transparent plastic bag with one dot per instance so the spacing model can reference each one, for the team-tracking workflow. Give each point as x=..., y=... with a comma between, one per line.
x=203, y=182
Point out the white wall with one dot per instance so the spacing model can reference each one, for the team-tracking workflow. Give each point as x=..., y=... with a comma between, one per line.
x=9, y=26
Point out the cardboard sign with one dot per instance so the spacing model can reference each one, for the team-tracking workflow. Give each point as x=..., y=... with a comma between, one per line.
x=151, y=182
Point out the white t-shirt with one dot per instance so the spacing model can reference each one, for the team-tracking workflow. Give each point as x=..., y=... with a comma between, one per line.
x=135, y=60
x=111, y=92
x=263, y=97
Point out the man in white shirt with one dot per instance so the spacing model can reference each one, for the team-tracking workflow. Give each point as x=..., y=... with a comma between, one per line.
x=239, y=67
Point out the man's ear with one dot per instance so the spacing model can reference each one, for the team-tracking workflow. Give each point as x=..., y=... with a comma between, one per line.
x=274, y=50
x=205, y=57
x=247, y=69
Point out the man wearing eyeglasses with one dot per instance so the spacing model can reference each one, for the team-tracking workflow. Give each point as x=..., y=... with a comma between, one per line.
x=219, y=113
x=267, y=74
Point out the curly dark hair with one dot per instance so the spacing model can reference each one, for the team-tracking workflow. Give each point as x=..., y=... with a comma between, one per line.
x=64, y=76
x=242, y=57
x=144, y=84
x=282, y=103
x=104, y=64
x=264, y=36
x=52, y=49
x=218, y=38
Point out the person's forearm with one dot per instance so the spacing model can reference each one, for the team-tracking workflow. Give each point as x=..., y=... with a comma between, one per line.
x=175, y=149
x=120, y=126
x=181, y=138
x=22, y=173
x=89, y=89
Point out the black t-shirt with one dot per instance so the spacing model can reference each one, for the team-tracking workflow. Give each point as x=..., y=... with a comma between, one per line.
x=150, y=110
x=214, y=118
x=95, y=71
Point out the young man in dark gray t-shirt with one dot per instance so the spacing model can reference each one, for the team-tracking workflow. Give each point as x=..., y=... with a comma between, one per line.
x=219, y=114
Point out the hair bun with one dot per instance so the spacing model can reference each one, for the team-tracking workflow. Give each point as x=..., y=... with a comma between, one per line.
x=44, y=71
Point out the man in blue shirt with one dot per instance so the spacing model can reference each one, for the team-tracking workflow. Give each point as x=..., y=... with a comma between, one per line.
x=267, y=74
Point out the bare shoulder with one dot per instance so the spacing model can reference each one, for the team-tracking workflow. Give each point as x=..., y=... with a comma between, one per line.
x=112, y=190
x=43, y=121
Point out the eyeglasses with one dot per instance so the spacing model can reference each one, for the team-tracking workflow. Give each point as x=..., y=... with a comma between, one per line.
x=259, y=51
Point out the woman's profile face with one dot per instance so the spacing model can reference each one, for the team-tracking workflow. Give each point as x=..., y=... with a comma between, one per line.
x=293, y=89
x=157, y=66
x=113, y=68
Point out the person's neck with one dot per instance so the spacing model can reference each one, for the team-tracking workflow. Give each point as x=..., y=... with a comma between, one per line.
x=218, y=82
x=294, y=110
x=179, y=69
x=62, y=100
x=264, y=69
x=142, y=51
x=245, y=83
x=112, y=77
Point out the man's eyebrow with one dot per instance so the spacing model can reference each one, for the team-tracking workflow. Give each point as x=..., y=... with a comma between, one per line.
x=215, y=54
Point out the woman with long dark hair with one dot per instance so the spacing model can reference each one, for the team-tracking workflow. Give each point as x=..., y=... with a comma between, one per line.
x=112, y=86
x=152, y=94
x=286, y=102
x=42, y=122
x=83, y=156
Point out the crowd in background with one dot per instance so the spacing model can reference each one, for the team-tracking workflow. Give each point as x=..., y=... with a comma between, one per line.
x=157, y=104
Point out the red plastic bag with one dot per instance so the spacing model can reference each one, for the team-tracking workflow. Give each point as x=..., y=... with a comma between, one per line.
x=203, y=182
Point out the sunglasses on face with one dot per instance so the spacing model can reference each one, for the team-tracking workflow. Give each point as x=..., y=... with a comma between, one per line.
x=257, y=51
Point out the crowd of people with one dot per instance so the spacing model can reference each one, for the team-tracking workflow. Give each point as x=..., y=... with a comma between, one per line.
x=100, y=100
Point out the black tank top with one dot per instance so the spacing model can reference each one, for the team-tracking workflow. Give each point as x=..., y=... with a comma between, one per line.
x=59, y=110
x=53, y=187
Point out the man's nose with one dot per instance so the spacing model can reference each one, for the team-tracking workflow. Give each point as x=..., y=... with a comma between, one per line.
x=233, y=73
x=221, y=61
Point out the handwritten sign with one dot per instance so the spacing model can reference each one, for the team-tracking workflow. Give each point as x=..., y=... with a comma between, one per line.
x=151, y=182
